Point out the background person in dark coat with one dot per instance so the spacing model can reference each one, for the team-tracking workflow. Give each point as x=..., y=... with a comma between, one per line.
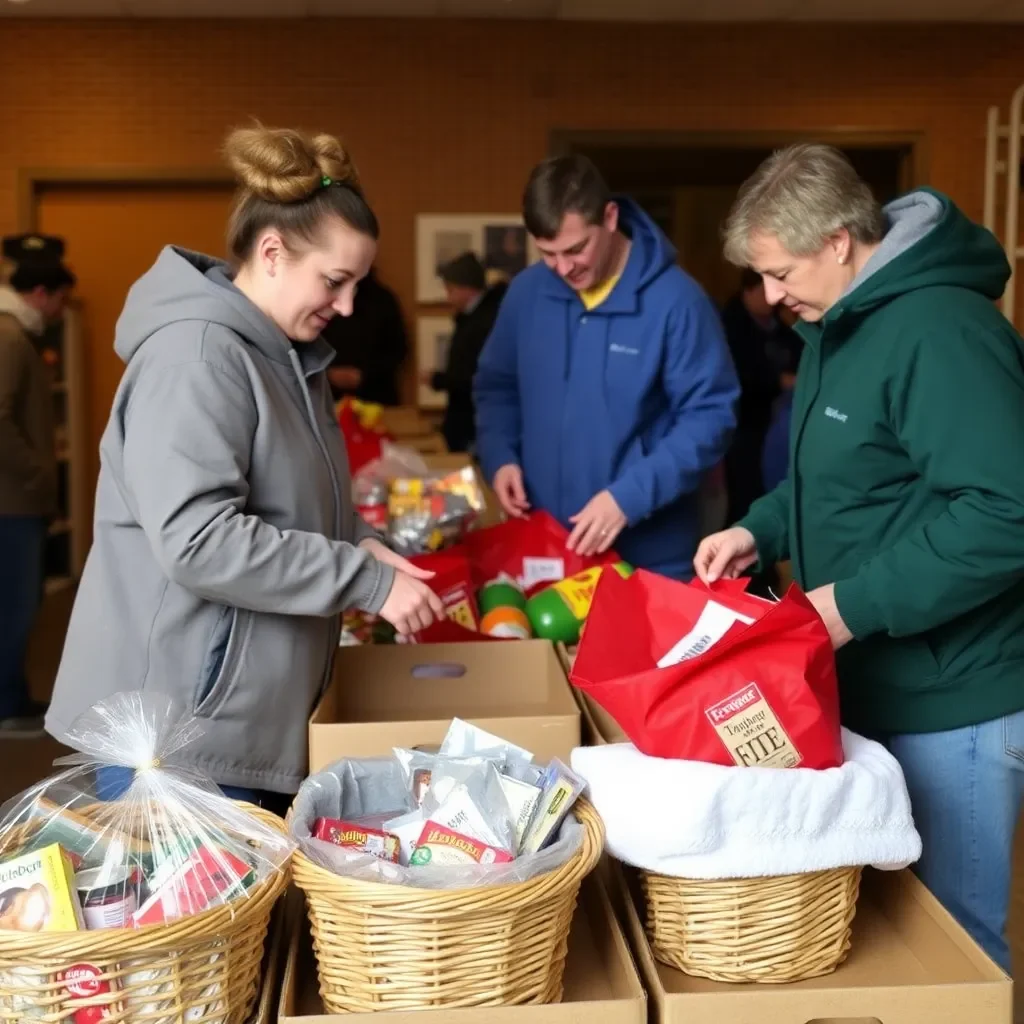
x=476, y=307
x=765, y=351
x=370, y=345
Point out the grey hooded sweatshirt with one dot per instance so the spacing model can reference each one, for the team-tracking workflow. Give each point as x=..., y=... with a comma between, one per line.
x=224, y=532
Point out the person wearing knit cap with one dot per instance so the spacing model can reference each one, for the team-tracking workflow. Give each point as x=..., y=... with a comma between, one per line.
x=34, y=295
x=476, y=307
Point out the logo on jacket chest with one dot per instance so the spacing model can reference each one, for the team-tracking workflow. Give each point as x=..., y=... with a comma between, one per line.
x=834, y=414
x=623, y=350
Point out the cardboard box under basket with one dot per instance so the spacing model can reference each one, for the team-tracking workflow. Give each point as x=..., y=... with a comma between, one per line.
x=910, y=963
x=383, y=697
x=601, y=983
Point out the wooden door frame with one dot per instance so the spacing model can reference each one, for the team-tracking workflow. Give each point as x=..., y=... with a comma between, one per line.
x=914, y=172
x=32, y=181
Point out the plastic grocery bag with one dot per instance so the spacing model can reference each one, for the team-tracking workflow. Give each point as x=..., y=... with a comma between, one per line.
x=169, y=846
x=713, y=675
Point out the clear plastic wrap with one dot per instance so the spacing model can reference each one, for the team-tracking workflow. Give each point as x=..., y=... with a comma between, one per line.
x=419, y=510
x=170, y=845
x=466, y=740
x=365, y=790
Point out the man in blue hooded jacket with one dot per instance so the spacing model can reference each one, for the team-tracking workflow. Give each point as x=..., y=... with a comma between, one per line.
x=605, y=391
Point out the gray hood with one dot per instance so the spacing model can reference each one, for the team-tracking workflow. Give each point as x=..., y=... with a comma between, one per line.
x=184, y=285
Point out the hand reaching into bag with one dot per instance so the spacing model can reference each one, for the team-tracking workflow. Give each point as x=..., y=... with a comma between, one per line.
x=726, y=554
x=411, y=605
x=510, y=491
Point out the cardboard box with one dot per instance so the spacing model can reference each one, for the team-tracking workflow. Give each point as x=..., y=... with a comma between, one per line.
x=597, y=726
x=601, y=981
x=910, y=963
x=406, y=421
x=406, y=696
x=275, y=950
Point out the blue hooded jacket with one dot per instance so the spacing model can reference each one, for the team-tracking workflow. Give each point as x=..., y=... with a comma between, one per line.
x=635, y=396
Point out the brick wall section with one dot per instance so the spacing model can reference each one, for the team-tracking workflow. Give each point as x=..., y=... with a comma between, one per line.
x=445, y=115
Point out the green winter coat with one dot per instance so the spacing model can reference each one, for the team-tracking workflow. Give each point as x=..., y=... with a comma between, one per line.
x=906, y=484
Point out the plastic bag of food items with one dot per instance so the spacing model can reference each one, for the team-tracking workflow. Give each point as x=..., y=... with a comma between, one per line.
x=477, y=811
x=712, y=674
x=419, y=511
x=362, y=427
x=167, y=846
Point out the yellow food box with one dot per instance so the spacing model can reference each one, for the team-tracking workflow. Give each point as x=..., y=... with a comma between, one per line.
x=37, y=892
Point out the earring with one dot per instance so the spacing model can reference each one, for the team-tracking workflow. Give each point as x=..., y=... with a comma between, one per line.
x=840, y=259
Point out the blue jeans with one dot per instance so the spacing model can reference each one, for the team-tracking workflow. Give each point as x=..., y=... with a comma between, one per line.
x=22, y=547
x=112, y=781
x=966, y=787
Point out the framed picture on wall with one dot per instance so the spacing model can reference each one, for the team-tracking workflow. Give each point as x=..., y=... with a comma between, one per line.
x=499, y=240
x=433, y=338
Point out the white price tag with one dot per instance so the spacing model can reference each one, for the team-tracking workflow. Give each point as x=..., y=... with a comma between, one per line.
x=542, y=570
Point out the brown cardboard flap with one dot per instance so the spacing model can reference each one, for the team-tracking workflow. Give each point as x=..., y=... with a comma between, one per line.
x=601, y=981
x=598, y=726
x=910, y=963
x=406, y=696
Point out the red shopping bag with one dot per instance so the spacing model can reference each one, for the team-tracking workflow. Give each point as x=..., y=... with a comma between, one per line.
x=362, y=444
x=743, y=681
x=453, y=583
x=531, y=550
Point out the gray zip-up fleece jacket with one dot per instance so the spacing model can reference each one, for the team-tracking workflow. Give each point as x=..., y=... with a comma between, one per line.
x=224, y=534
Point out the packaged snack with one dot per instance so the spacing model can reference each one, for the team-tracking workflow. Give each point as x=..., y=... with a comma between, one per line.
x=427, y=514
x=417, y=766
x=560, y=788
x=358, y=838
x=37, y=893
x=522, y=799
x=467, y=797
x=463, y=739
x=407, y=828
x=558, y=612
x=207, y=877
x=440, y=846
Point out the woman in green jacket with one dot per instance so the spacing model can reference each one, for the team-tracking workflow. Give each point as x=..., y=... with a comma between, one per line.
x=903, y=512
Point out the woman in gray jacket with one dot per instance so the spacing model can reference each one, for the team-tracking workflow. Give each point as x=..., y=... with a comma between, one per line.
x=226, y=543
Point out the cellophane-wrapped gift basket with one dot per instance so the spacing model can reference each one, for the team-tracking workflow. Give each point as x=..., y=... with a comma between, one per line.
x=748, y=810
x=131, y=890
x=443, y=878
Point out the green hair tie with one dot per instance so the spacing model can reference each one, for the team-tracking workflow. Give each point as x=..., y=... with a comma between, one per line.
x=325, y=181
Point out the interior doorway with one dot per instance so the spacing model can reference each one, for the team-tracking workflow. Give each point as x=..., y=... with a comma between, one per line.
x=114, y=227
x=688, y=181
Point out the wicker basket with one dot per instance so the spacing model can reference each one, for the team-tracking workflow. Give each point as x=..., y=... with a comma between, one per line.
x=202, y=969
x=771, y=930
x=394, y=947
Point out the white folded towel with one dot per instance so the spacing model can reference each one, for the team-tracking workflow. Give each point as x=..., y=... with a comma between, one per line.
x=693, y=820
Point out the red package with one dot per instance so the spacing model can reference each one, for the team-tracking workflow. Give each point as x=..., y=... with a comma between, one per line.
x=531, y=550
x=361, y=838
x=454, y=585
x=362, y=444
x=744, y=681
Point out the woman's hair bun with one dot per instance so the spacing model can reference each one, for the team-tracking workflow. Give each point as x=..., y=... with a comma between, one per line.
x=282, y=165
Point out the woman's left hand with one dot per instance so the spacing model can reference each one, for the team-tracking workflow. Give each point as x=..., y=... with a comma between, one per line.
x=384, y=554
x=824, y=601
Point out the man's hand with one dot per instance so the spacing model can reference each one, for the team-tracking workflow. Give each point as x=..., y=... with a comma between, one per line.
x=384, y=554
x=596, y=525
x=725, y=554
x=824, y=601
x=510, y=491
x=346, y=378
